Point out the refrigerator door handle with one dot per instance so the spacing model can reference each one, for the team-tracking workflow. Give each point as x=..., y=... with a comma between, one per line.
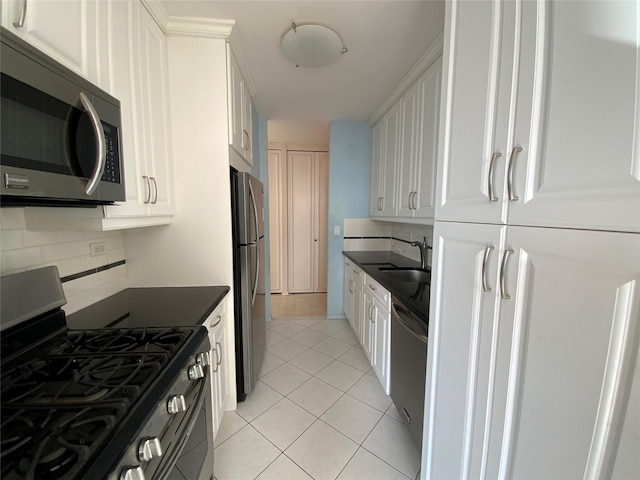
x=254, y=290
x=255, y=213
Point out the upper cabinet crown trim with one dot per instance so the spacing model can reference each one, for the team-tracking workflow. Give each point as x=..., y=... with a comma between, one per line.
x=425, y=61
x=174, y=26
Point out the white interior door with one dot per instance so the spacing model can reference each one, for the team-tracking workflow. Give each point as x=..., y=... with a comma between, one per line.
x=321, y=212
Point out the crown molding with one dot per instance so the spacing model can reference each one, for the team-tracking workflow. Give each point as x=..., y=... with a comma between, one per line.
x=199, y=27
x=424, y=62
x=173, y=26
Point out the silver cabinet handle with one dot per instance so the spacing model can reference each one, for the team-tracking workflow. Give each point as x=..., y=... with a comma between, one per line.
x=512, y=196
x=350, y=285
x=410, y=201
x=374, y=313
x=494, y=157
x=101, y=144
x=372, y=287
x=23, y=15
x=218, y=320
x=415, y=202
x=503, y=288
x=485, y=283
x=216, y=364
x=147, y=198
x=221, y=352
x=245, y=146
x=155, y=190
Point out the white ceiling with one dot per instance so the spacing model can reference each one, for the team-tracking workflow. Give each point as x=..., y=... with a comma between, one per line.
x=384, y=38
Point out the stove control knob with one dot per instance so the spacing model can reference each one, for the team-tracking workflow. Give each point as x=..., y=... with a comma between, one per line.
x=149, y=448
x=196, y=371
x=176, y=404
x=203, y=358
x=132, y=473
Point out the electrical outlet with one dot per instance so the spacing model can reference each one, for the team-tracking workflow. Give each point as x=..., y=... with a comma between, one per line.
x=99, y=248
x=336, y=230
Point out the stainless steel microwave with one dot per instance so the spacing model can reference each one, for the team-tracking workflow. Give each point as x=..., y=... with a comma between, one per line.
x=60, y=135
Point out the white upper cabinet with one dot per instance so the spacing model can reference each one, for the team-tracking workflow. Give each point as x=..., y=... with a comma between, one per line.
x=386, y=147
x=64, y=30
x=540, y=114
x=240, y=116
x=419, y=145
x=474, y=110
x=377, y=165
x=139, y=78
x=404, y=152
x=576, y=114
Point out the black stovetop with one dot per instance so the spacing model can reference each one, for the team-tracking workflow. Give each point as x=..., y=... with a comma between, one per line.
x=70, y=399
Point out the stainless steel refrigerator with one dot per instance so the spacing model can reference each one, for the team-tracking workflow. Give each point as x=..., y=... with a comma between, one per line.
x=247, y=203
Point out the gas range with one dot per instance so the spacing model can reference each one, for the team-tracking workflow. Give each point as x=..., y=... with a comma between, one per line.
x=104, y=403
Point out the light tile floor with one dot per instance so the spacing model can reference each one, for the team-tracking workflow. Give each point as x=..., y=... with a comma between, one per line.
x=299, y=305
x=318, y=412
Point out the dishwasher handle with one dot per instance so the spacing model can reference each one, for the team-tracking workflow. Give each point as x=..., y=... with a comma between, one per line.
x=414, y=326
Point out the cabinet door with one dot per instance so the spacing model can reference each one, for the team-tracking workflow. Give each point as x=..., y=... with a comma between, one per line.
x=348, y=292
x=377, y=161
x=301, y=228
x=380, y=350
x=427, y=141
x=462, y=340
x=64, y=30
x=367, y=325
x=408, y=159
x=573, y=322
x=358, y=304
x=580, y=163
x=155, y=98
x=234, y=93
x=124, y=64
x=393, y=122
x=247, y=125
x=475, y=102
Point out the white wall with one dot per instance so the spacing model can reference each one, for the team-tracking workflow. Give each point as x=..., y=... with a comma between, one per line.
x=196, y=248
x=22, y=250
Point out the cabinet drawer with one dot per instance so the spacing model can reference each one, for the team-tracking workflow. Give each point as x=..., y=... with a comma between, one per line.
x=378, y=292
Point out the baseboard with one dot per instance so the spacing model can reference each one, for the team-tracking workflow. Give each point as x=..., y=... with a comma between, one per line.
x=336, y=317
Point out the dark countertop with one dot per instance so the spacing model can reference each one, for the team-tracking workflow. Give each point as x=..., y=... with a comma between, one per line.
x=150, y=307
x=414, y=296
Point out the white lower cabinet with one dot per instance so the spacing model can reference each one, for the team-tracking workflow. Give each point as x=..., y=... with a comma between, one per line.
x=368, y=309
x=532, y=354
x=219, y=368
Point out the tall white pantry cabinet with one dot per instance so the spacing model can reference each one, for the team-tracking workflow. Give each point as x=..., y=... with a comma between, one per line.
x=535, y=311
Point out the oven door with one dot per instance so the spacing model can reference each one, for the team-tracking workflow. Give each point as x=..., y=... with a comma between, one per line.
x=196, y=459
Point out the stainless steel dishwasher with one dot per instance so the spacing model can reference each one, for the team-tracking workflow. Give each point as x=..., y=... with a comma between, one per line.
x=408, y=367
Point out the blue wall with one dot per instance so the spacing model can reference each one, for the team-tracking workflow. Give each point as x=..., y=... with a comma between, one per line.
x=349, y=177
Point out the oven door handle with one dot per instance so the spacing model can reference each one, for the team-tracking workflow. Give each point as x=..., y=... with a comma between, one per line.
x=407, y=321
x=170, y=460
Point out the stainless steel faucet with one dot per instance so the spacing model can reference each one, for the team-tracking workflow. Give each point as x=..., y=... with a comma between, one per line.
x=423, y=252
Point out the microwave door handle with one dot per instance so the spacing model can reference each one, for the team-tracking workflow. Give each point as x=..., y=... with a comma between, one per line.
x=101, y=147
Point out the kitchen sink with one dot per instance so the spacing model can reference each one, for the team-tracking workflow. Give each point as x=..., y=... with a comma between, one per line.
x=409, y=275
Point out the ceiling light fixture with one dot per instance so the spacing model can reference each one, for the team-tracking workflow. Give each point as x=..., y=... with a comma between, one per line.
x=312, y=45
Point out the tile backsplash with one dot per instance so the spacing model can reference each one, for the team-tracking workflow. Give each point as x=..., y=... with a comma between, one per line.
x=86, y=279
x=365, y=234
